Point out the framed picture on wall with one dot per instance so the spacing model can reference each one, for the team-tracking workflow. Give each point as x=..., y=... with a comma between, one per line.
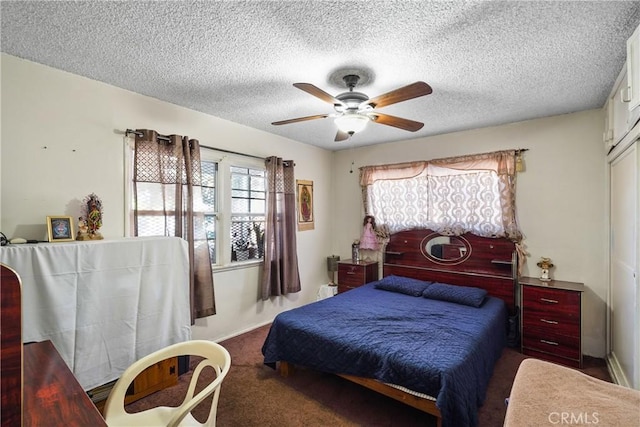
x=305, y=204
x=60, y=229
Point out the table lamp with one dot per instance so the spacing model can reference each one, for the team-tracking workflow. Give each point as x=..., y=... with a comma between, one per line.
x=332, y=267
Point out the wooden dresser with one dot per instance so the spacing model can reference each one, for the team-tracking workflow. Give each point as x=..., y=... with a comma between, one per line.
x=353, y=274
x=551, y=320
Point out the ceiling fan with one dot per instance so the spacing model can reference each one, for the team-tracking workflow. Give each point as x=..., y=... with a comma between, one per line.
x=354, y=109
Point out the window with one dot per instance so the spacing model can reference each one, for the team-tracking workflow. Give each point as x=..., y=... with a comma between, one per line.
x=453, y=199
x=233, y=201
x=233, y=194
x=466, y=194
x=247, y=213
x=209, y=205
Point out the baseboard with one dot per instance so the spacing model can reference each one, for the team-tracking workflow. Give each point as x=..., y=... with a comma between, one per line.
x=243, y=331
x=615, y=370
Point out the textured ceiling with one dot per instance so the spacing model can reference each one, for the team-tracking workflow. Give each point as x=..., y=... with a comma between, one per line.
x=488, y=63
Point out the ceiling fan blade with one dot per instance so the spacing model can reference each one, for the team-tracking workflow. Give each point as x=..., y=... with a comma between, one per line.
x=398, y=122
x=405, y=93
x=300, y=119
x=341, y=136
x=318, y=93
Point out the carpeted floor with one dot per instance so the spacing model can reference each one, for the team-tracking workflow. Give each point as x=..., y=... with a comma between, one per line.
x=255, y=395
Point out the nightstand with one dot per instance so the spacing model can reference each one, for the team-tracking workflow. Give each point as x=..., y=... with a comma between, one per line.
x=551, y=320
x=353, y=274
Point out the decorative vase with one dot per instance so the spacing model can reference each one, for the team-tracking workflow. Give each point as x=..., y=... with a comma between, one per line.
x=355, y=252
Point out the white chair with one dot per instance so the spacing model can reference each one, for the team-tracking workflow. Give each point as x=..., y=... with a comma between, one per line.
x=214, y=355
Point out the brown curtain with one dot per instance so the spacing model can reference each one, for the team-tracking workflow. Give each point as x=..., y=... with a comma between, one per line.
x=280, y=268
x=167, y=175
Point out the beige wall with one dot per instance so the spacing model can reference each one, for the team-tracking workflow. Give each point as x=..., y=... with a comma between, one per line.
x=561, y=197
x=81, y=122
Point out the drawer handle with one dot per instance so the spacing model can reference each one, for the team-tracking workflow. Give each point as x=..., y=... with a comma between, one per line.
x=551, y=322
x=351, y=272
x=549, y=342
x=551, y=301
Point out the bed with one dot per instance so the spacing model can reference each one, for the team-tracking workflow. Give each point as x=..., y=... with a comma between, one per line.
x=544, y=393
x=403, y=335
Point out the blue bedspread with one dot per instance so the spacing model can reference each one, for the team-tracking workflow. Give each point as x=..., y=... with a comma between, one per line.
x=443, y=349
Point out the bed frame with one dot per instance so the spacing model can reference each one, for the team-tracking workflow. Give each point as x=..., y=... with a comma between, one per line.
x=487, y=263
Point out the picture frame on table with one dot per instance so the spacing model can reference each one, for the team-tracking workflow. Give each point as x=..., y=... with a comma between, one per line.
x=60, y=228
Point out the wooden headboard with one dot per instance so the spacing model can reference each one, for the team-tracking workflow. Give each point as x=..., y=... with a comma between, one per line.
x=466, y=260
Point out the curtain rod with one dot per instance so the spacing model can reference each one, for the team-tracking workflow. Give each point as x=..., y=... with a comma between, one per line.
x=233, y=152
x=166, y=138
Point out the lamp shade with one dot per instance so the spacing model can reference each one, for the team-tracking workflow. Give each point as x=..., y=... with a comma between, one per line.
x=332, y=263
x=352, y=122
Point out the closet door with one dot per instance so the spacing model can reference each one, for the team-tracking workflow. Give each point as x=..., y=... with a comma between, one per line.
x=624, y=319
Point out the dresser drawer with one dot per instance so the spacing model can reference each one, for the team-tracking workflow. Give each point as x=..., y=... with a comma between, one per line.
x=345, y=288
x=551, y=322
x=351, y=274
x=574, y=363
x=545, y=303
x=559, y=345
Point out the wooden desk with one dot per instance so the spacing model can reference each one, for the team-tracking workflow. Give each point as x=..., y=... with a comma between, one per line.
x=52, y=395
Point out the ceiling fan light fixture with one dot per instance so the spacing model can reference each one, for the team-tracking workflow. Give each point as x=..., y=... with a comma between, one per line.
x=352, y=123
x=354, y=109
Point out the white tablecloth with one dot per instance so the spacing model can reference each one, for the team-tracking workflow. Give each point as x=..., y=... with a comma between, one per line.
x=104, y=304
x=326, y=291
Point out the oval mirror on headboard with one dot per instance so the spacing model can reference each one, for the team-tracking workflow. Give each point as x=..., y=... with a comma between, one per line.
x=445, y=249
